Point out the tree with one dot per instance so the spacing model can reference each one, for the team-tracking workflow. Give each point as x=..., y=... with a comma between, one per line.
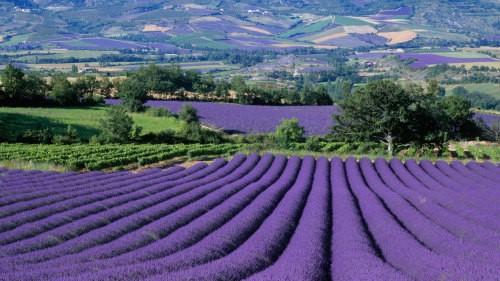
x=238, y=84
x=459, y=117
x=116, y=126
x=222, y=90
x=384, y=111
x=433, y=88
x=289, y=131
x=13, y=83
x=62, y=91
x=133, y=93
x=188, y=114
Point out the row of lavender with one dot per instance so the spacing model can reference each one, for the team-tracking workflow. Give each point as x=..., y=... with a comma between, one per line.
x=255, y=218
x=251, y=119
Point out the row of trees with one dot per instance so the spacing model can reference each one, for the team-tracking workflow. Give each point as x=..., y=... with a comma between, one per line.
x=173, y=82
x=21, y=89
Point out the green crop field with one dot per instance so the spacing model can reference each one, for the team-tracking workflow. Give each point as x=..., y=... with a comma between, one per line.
x=306, y=29
x=84, y=119
x=341, y=20
x=98, y=157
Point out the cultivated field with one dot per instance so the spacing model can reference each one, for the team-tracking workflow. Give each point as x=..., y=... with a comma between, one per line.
x=254, y=218
x=248, y=119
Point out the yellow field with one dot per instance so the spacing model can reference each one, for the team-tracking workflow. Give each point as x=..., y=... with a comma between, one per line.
x=154, y=27
x=256, y=29
x=397, y=37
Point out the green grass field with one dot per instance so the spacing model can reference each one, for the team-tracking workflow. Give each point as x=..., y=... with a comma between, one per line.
x=84, y=119
x=341, y=20
x=306, y=29
x=486, y=88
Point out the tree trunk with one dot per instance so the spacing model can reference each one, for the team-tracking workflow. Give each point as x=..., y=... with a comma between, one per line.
x=390, y=144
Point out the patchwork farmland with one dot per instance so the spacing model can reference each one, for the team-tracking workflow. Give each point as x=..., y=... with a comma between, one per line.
x=254, y=218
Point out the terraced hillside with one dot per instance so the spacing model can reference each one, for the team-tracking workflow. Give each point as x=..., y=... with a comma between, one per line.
x=254, y=218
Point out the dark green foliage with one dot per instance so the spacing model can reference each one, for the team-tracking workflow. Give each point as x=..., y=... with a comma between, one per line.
x=62, y=92
x=188, y=114
x=69, y=137
x=133, y=93
x=42, y=136
x=116, y=127
x=289, y=131
x=385, y=111
x=158, y=112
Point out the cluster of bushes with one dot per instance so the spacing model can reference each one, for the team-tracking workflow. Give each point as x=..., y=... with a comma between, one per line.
x=46, y=136
x=22, y=89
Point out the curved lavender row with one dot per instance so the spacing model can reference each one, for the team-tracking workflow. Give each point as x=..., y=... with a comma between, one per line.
x=61, y=218
x=308, y=247
x=105, y=185
x=52, y=187
x=94, y=230
x=265, y=245
x=483, y=171
x=165, y=187
x=440, y=183
x=79, y=205
x=406, y=185
x=464, y=179
x=30, y=184
x=460, y=203
x=400, y=248
x=490, y=166
x=30, y=180
x=73, y=187
x=169, y=223
x=462, y=169
x=354, y=255
x=430, y=234
x=182, y=237
x=473, y=189
x=220, y=242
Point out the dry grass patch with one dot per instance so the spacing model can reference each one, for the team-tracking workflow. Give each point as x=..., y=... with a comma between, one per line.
x=397, y=37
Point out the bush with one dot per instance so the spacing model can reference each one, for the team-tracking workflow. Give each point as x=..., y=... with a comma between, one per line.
x=43, y=136
x=116, y=126
x=188, y=114
x=289, y=131
x=70, y=137
x=158, y=112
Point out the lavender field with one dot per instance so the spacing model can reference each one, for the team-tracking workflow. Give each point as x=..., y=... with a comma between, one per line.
x=254, y=218
x=248, y=119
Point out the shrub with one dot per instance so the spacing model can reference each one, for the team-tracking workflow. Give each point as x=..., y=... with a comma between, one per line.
x=116, y=126
x=289, y=131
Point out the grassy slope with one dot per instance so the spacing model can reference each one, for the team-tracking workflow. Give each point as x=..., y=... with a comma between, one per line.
x=84, y=119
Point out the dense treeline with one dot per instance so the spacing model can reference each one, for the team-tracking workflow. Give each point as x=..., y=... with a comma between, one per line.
x=21, y=89
x=460, y=74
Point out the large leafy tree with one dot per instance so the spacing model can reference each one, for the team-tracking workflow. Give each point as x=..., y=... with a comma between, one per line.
x=133, y=93
x=385, y=111
x=63, y=92
x=13, y=83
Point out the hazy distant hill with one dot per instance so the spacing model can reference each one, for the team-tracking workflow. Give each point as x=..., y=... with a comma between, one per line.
x=223, y=24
